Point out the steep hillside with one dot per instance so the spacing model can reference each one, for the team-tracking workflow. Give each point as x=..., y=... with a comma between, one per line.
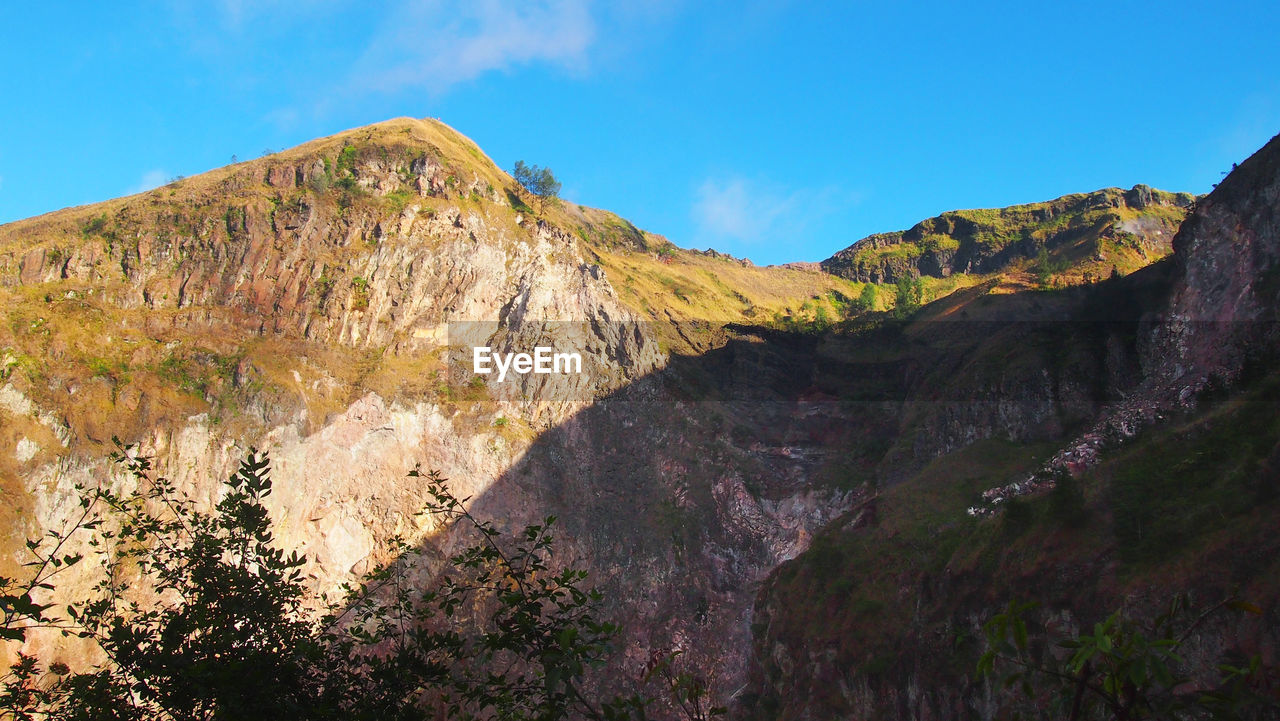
x=1074, y=239
x=313, y=302
x=365, y=243
x=1171, y=488
x=883, y=616
x=1222, y=318
x=304, y=302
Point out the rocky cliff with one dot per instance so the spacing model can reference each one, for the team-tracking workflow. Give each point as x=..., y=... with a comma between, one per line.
x=307, y=303
x=1082, y=237
x=1223, y=313
x=883, y=616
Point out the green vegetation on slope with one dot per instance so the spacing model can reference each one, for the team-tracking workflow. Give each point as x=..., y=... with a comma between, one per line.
x=897, y=588
x=691, y=294
x=1074, y=239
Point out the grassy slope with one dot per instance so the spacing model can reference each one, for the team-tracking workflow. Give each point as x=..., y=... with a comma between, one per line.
x=116, y=368
x=1083, y=236
x=1174, y=511
x=654, y=277
x=243, y=182
x=79, y=341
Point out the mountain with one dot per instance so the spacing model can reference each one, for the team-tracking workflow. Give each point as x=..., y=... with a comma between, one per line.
x=1179, y=474
x=768, y=474
x=302, y=303
x=1078, y=238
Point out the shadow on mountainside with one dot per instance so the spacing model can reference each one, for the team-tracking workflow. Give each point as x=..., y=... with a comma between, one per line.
x=683, y=490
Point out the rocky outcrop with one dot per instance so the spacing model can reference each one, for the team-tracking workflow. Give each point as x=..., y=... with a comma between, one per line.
x=1217, y=320
x=365, y=250
x=1223, y=313
x=1099, y=226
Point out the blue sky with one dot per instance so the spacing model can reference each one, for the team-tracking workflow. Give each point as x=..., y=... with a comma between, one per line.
x=778, y=131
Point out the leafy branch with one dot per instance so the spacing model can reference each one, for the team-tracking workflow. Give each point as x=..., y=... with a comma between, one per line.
x=201, y=615
x=1122, y=670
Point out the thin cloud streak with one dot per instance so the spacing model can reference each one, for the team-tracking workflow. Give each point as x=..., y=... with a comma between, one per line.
x=437, y=45
x=737, y=209
x=150, y=180
x=753, y=213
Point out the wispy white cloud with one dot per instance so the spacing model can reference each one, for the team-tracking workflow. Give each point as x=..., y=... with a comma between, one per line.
x=284, y=119
x=436, y=45
x=753, y=212
x=149, y=180
x=735, y=208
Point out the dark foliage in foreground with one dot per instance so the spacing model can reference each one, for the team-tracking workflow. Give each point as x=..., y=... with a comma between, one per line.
x=201, y=616
x=1123, y=670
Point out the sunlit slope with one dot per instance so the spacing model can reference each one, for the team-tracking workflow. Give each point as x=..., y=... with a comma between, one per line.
x=1074, y=239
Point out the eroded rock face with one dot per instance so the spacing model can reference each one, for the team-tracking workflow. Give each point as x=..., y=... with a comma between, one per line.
x=676, y=524
x=679, y=536
x=1224, y=308
x=681, y=503
x=1202, y=320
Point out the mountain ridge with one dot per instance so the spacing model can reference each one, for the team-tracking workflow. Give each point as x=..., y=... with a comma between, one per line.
x=1086, y=233
x=1177, y=477
x=298, y=302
